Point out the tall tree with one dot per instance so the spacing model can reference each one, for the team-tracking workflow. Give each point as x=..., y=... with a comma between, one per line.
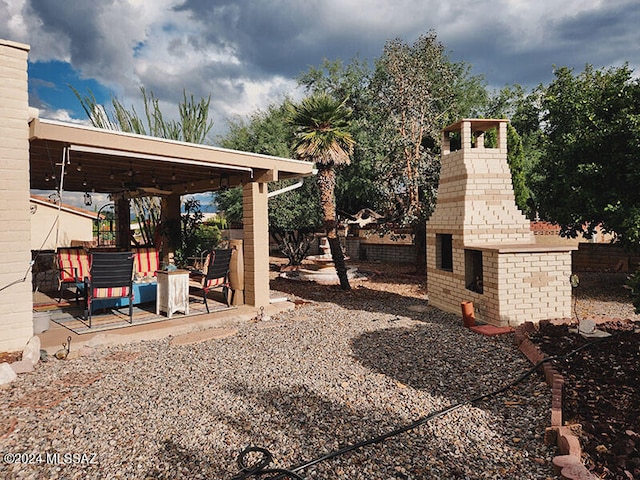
x=294, y=216
x=418, y=91
x=322, y=136
x=193, y=126
x=590, y=168
x=357, y=184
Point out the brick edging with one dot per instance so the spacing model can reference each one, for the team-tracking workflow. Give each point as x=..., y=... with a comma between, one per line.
x=569, y=463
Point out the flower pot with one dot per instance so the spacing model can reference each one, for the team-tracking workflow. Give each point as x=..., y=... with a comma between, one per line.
x=41, y=322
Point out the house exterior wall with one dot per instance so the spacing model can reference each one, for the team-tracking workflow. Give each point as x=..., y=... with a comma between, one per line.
x=16, y=304
x=73, y=226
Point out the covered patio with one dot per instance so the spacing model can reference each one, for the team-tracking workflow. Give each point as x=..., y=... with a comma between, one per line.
x=42, y=154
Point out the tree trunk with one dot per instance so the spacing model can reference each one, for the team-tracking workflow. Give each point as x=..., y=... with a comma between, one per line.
x=326, y=179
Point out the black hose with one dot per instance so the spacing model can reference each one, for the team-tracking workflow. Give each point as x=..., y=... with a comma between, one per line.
x=259, y=469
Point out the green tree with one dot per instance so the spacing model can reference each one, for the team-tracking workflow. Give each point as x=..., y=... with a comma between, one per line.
x=590, y=167
x=357, y=184
x=321, y=127
x=229, y=202
x=418, y=91
x=294, y=215
x=523, y=138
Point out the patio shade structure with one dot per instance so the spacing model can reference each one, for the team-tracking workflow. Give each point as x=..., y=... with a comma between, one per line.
x=88, y=159
x=114, y=162
x=121, y=164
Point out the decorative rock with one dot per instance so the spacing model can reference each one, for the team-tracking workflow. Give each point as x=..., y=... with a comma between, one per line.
x=7, y=375
x=31, y=351
x=418, y=308
x=22, y=366
x=571, y=468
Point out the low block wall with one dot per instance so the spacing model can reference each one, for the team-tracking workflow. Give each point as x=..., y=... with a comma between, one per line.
x=387, y=252
x=604, y=257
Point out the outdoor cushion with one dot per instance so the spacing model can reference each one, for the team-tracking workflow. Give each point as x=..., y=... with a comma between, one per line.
x=146, y=261
x=73, y=264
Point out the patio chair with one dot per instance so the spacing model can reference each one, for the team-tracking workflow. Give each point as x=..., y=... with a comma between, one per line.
x=73, y=266
x=147, y=261
x=215, y=276
x=111, y=276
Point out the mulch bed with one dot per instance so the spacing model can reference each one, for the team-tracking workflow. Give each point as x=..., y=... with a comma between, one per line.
x=602, y=393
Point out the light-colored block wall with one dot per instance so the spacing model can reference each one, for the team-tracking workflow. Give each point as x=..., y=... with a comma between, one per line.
x=16, y=303
x=256, y=244
x=518, y=287
x=476, y=206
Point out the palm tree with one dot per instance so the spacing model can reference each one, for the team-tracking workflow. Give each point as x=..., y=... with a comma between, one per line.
x=320, y=124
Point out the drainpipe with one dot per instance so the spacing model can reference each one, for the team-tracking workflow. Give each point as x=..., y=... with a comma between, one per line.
x=290, y=187
x=285, y=189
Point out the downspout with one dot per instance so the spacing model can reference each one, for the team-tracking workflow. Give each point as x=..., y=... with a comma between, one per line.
x=285, y=189
x=290, y=187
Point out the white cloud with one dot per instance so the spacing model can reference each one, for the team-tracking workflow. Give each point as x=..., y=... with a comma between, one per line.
x=246, y=55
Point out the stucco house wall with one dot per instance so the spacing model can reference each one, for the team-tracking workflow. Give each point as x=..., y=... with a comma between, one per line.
x=74, y=224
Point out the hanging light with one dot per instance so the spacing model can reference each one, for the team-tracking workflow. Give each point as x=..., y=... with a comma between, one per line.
x=173, y=174
x=79, y=167
x=111, y=175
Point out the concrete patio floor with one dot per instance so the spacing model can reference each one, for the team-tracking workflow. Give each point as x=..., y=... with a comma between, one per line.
x=184, y=329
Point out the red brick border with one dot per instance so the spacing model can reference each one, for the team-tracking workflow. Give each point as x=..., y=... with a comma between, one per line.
x=569, y=463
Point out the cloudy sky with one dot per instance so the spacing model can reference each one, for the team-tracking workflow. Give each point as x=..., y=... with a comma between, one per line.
x=247, y=53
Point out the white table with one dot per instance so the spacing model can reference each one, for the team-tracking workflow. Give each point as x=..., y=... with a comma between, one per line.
x=173, y=292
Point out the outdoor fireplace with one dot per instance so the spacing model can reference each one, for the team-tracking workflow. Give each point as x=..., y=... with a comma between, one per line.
x=480, y=247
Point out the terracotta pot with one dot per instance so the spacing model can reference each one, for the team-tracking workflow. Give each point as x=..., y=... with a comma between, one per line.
x=468, y=315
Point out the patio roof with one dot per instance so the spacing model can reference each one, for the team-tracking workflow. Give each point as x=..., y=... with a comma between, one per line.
x=108, y=161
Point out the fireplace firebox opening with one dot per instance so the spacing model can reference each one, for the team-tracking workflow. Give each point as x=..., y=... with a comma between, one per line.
x=444, y=251
x=473, y=277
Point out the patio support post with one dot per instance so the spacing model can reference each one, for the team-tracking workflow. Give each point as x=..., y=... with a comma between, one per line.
x=170, y=217
x=123, y=222
x=256, y=244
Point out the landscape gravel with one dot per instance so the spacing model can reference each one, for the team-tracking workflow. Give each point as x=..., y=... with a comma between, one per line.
x=340, y=368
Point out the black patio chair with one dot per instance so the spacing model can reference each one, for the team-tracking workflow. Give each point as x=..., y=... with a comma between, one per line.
x=215, y=276
x=111, y=276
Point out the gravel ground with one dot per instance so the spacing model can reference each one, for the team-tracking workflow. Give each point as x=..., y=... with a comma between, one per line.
x=340, y=368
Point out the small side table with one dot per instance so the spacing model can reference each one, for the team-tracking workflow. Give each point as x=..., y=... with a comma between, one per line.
x=173, y=292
